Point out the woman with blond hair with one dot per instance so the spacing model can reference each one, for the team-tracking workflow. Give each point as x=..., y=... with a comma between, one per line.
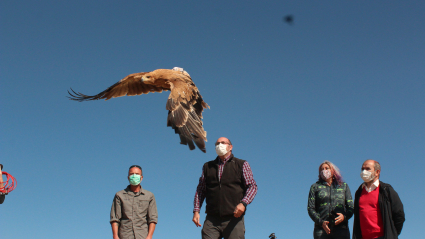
x=330, y=204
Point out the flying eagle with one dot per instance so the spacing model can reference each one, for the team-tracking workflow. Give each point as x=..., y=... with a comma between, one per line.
x=184, y=104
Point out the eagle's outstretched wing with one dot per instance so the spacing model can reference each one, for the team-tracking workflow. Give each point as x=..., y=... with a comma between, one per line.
x=130, y=85
x=185, y=106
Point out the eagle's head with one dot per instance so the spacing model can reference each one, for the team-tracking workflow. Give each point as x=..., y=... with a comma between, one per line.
x=148, y=78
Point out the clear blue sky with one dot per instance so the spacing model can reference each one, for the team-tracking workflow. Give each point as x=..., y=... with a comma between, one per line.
x=344, y=83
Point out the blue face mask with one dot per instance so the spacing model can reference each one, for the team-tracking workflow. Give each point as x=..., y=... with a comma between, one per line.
x=134, y=179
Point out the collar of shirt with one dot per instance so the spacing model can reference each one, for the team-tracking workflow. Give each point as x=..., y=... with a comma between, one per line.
x=127, y=190
x=333, y=184
x=323, y=182
x=225, y=159
x=372, y=187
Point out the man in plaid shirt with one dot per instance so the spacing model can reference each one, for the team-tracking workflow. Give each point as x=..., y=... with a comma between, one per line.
x=228, y=186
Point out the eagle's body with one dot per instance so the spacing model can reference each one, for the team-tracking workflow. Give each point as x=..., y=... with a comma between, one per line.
x=184, y=104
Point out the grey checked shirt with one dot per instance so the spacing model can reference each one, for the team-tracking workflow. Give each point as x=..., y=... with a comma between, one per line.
x=134, y=212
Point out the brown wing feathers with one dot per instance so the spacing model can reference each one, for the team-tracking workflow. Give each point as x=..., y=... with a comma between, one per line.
x=130, y=85
x=185, y=107
x=191, y=131
x=185, y=104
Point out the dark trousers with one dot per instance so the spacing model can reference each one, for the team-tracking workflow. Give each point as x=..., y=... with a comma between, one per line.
x=227, y=228
x=336, y=233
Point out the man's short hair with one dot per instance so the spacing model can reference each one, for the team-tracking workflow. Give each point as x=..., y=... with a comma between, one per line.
x=137, y=166
x=377, y=165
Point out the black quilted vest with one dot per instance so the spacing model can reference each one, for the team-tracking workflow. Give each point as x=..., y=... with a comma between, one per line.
x=222, y=197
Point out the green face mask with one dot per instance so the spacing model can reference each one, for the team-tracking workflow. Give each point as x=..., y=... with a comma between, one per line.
x=134, y=179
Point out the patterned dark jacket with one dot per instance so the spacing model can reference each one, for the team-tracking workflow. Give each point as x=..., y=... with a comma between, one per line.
x=323, y=200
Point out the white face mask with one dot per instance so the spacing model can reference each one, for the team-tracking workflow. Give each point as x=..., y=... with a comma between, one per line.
x=325, y=174
x=367, y=176
x=220, y=149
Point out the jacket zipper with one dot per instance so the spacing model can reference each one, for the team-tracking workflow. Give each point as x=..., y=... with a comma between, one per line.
x=330, y=202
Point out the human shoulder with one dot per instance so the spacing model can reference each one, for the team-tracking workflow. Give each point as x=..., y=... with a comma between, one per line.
x=147, y=193
x=214, y=161
x=385, y=185
x=238, y=160
x=121, y=193
x=344, y=185
x=387, y=188
x=210, y=164
x=316, y=185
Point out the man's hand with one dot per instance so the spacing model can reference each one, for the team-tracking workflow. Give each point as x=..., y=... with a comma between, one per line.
x=339, y=219
x=196, y=218
x=239, y=210
x=148, y=237
x=325, y=226
x=116, y=237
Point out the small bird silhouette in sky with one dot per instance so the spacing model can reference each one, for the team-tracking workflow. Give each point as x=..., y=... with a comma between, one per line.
x=289, y=19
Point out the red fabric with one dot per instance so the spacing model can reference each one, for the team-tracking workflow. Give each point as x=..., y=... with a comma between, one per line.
x=370, y=216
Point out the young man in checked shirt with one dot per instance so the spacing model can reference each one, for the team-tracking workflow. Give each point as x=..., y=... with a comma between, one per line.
x=228, y=186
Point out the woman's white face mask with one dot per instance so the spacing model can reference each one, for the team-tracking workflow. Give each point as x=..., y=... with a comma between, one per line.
x=325, y=174
x=221, y=149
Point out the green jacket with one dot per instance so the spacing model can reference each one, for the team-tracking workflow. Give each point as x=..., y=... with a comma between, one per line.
x=324, y=199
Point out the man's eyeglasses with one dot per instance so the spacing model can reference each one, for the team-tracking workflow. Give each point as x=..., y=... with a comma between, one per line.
x=222, y=142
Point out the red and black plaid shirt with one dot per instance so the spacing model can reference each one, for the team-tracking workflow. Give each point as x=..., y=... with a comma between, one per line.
x=249, y=181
